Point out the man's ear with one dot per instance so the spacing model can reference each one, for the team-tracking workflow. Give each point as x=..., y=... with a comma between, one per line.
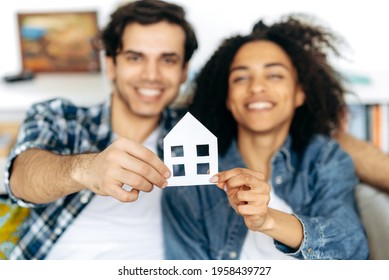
x=184, y=75
x=110, y=68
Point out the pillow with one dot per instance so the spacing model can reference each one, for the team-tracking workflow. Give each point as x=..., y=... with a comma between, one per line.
x=373, y=206
x=12, y=219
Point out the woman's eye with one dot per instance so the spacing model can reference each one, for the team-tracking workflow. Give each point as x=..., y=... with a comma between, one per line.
x=240, y=79
x=275, y=76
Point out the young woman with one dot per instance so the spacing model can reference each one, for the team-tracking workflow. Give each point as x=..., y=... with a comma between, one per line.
x=286, y=189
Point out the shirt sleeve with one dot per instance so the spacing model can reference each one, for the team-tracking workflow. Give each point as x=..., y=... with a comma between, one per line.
x=44, y=127
x=332, y=228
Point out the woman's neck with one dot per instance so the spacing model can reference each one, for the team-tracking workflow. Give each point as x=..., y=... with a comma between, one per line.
x=257, y=150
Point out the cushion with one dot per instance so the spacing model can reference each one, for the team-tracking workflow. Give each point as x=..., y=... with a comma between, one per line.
x=11, y=224
x=373, y=207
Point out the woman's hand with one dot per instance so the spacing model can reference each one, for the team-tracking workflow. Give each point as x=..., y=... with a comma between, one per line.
x=248, y=193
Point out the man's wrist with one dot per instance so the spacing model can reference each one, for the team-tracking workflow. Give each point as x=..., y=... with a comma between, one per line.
x=80, y=170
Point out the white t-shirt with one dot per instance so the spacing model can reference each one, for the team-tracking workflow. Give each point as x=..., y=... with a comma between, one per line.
x=259, y=246
x=109, y=229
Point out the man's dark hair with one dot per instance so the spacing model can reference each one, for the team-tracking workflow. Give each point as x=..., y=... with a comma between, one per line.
x=146, y=12
x=308, y=47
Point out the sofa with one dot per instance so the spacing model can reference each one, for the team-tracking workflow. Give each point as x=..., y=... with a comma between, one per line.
x=373, y=206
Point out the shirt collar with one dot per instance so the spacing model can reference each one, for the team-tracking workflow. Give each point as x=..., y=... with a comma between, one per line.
x=233, y=159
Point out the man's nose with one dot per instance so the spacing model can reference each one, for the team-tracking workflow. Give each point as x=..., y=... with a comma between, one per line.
x=151, y=71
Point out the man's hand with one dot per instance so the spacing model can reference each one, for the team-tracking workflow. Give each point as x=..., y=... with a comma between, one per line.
x=40, y=176
x=124, y=162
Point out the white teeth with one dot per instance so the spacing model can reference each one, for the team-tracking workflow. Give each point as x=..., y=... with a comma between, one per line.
x=260, y=105
x=149, y=92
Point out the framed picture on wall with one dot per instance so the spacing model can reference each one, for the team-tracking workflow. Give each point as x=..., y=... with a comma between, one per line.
x=59, y=41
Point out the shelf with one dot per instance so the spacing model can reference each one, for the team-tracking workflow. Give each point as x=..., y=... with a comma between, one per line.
x=83, y=89
x=377, y=92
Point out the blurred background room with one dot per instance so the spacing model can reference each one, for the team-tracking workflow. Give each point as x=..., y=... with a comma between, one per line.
x=77, y=73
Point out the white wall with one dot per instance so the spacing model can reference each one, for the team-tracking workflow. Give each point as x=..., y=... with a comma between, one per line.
x=362, y=23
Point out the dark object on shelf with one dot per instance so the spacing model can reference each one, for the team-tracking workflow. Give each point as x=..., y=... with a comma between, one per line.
x=22, y=76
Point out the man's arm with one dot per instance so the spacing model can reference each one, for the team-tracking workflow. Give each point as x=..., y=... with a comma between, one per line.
x=40, y=176
x=371, y=164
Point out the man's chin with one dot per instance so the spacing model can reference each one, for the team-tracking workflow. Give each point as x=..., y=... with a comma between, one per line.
x=148, y=114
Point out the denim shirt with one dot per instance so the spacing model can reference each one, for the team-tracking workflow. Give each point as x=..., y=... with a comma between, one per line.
x=317, y=183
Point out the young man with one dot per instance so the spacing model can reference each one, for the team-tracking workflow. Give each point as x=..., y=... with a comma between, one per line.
x=74, y=166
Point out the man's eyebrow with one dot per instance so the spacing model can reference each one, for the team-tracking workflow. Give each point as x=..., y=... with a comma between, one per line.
x=171, y=54
x=140, y=53
x=131, y=52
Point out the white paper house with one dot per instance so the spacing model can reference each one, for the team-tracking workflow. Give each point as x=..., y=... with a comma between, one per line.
x=190, y=152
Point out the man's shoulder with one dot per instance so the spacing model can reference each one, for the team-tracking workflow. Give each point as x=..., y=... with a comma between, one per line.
x=64, y=108
x=55, y=104
x=176, y=113
x=171, y=116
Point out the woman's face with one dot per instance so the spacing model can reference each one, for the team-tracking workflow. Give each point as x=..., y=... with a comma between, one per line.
x=262, y=88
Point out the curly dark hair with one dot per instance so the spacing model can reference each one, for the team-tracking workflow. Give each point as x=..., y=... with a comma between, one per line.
x=308, y=46
x=145, y=12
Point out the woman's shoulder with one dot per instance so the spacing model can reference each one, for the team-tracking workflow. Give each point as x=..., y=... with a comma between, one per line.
x=324, y=150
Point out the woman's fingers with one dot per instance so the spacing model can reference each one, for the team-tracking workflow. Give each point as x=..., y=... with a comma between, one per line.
x=221, y=177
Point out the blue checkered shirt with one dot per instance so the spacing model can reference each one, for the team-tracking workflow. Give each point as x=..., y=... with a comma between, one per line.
x=63, y=128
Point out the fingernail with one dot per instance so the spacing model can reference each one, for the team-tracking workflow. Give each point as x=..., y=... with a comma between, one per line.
x=214, y=179
x=164, y=185
x=166, y=174
x=225, y=188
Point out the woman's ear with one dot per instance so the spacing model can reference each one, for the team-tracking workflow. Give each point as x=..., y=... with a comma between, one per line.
x=299, y=97
x=228, y=103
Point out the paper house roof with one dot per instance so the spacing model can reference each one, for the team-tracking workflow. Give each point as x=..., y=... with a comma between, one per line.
x=190, y=152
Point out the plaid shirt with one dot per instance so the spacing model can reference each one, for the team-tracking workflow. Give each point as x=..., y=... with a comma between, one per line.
x=60, y=127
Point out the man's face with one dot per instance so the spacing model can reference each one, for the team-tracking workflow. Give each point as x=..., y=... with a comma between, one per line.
x=149, y=69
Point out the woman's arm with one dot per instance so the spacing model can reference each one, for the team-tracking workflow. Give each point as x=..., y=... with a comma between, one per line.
x=332, y=227
x=249, y=195
x=328, y=227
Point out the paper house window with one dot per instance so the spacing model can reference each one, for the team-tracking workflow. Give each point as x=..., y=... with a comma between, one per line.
x=202, y=150
x=178, y=170
x=177, y=151
x=190, y=152
x=202, y=168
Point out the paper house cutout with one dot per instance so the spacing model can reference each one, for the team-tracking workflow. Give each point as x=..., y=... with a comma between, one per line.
x=190, y=152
